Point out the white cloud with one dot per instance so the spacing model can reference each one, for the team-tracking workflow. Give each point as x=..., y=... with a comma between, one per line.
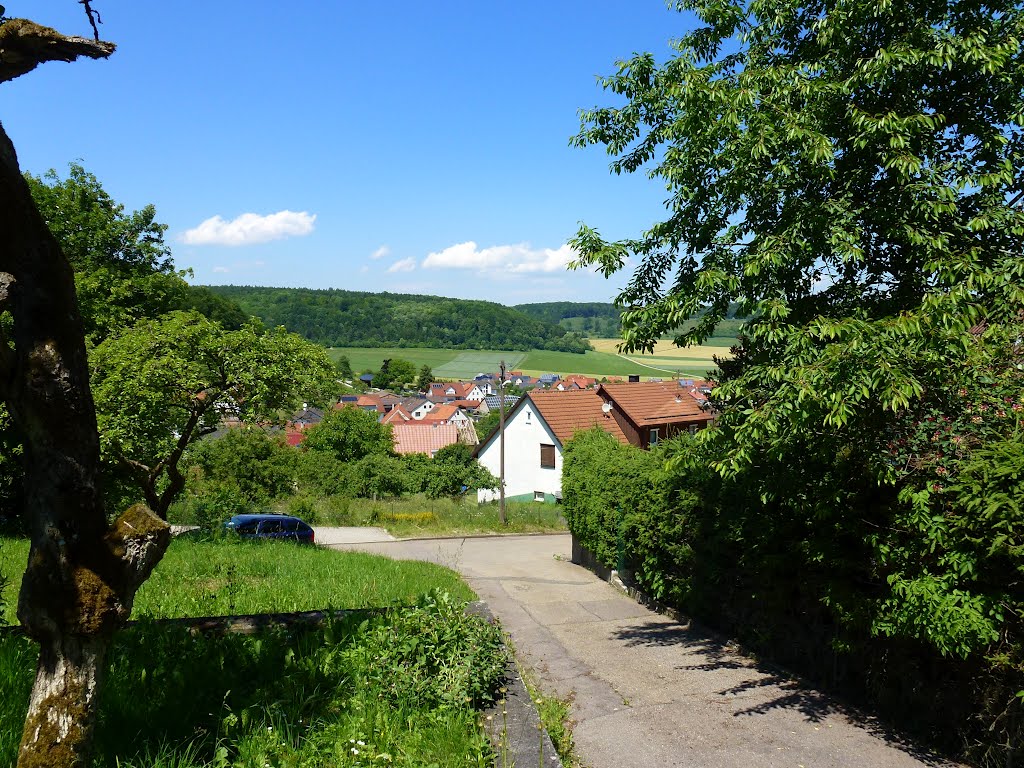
x=518, y=258
x=405, y=265
x=221, y=269
x=381, y=252
x=250, y=228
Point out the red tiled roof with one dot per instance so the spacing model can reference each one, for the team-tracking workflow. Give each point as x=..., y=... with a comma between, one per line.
x=654, y=402
x=419, y=437
x=580, y=381
x=572, y=411
x=396, y=415
x=440, y=412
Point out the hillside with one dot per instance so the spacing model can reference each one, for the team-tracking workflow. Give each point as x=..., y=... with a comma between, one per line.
x=597, y=320
x=337, y=318
x=593, y=318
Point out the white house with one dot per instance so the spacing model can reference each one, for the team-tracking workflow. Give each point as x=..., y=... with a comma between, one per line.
x=536, y=428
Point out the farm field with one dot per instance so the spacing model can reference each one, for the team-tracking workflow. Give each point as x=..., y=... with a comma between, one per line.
x=464, y=364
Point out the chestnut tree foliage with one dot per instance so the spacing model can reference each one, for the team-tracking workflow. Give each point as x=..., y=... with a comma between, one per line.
x=849, y=173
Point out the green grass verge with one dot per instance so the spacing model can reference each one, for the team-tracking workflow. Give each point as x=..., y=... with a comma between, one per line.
x=556, y=717
x=216, y=578
x=398, y=690
x=418, y=516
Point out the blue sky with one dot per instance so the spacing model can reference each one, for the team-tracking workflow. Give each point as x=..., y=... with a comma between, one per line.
x=409, y=147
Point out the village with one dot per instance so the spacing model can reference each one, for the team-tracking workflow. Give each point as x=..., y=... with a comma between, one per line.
x=545, y=414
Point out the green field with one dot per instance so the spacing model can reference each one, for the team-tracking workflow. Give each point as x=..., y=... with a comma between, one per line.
x=465, y=364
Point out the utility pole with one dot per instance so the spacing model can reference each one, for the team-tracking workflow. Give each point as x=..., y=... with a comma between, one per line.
x=501, y=441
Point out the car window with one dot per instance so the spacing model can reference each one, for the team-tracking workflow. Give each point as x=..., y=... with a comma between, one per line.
x=246, y=528
x=290, y=525
x=270, y=526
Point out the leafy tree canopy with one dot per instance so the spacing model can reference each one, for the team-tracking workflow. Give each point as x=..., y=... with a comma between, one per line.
x=349, y=434
x=123, y=268
x=163, y=383
x=820, y=160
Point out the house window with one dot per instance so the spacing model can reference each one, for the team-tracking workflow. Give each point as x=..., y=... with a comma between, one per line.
x=547, y=456
x=538, y=495
x=693, y=429
x=653, y=440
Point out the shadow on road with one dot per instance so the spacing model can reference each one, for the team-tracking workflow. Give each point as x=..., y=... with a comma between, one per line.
x=769, y=686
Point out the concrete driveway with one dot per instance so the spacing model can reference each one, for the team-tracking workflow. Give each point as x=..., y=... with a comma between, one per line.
x=648, y=691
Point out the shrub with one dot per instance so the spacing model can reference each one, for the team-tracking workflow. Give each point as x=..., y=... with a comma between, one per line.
x=376, y=476
x=433, y=655
x=260, y=466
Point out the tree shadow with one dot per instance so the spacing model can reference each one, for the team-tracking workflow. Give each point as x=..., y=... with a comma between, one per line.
x=777, y=688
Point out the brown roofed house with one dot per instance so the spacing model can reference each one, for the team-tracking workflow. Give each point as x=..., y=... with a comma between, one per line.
x=651, y=411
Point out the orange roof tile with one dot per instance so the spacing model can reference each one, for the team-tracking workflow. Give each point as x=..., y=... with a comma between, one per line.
x=440, y=412
x=396, y=415
x=654, y=402
x=572, y=411
x=417, y=437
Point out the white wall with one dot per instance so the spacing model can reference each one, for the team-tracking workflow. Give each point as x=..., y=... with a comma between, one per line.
x=524, y=433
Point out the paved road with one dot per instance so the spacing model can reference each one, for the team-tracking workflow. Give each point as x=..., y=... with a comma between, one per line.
x=647, y=690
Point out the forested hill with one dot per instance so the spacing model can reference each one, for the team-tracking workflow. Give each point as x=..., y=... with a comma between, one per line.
x=337, y=318
x=595, y=319
x=601, y=320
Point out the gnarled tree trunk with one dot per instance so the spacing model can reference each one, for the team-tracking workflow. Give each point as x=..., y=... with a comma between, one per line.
x=82, y=573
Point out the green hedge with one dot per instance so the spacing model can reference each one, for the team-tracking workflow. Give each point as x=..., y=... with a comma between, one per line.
x=621, y=505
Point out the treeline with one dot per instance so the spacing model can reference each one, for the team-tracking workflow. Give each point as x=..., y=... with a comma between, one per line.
x=337, y=318
x=601, y=320
x=593, y=318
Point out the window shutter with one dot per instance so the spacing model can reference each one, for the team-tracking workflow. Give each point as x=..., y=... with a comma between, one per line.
x=547, y=456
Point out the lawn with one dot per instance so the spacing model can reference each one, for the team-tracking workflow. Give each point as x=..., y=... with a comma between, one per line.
x=214, y=578
x=402, y=689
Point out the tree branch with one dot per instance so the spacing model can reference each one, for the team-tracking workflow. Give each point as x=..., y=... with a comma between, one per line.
x=24, y=45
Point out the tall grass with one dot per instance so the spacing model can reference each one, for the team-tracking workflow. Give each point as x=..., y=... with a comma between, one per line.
x=414, y=516
x=401, y=689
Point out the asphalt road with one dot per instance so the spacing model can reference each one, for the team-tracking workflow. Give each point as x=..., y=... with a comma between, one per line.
x=648, y=691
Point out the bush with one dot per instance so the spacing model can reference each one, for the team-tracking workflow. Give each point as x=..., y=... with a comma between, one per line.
x=434, y=655
x=260, y=466
x=376, y=476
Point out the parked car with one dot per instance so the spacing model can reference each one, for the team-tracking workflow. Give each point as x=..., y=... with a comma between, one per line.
x=283, y=527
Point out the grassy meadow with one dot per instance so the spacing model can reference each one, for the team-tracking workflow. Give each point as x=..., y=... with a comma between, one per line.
x=401, y=689
x=666, y=361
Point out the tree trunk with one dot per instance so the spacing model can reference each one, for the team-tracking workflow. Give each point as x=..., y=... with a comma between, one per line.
x=82, y=572
x=62, y=708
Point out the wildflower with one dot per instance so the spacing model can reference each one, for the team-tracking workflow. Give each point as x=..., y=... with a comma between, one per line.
x=354, y=751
